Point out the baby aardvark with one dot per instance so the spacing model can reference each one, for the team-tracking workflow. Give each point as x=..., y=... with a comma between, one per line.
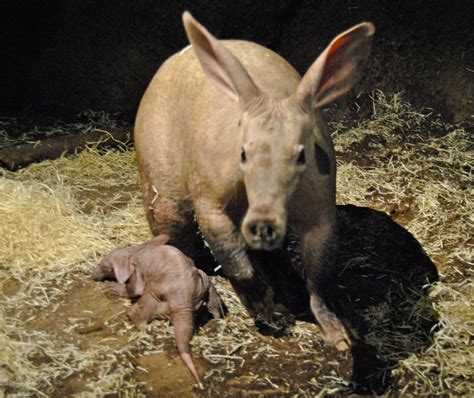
x=170, y=287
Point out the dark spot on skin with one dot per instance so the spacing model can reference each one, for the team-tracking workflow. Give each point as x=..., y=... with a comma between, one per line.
x=322, y=160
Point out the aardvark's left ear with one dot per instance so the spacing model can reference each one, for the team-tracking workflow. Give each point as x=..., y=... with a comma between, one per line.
x=221, y=67
x=123, y=269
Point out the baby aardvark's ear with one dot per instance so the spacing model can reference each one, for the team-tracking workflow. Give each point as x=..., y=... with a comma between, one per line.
x=123, y=268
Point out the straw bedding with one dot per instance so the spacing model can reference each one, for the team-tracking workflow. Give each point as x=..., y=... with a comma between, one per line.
x=62, y=335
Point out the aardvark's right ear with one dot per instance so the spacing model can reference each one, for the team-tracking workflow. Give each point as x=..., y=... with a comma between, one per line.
x=219, y=64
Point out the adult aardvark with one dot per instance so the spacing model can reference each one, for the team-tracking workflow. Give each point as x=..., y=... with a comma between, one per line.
x=229, y=132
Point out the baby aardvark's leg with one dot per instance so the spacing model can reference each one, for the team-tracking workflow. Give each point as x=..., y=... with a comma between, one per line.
x=147, y=308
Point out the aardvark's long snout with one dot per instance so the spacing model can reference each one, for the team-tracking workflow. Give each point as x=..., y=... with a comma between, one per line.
x=264, y=228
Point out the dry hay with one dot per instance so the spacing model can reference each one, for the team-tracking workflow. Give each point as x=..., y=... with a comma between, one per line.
x=59, y=217
x=14, y=133
x=410, y=165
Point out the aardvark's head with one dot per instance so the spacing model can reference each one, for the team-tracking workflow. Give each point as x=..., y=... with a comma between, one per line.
x=281, y=140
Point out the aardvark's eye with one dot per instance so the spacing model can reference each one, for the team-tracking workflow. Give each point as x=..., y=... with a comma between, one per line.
x=243, y=157
x=301, y=160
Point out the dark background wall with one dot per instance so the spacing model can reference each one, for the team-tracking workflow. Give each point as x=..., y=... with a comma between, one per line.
x=60, y=57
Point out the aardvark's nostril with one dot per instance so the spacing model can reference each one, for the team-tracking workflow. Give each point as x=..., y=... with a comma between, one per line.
x=263, y=230
x=253, y=229
x=268, y=231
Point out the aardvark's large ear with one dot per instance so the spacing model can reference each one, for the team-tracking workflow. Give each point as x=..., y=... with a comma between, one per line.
x=219, y=64
x=123, y=269
x=338, y=67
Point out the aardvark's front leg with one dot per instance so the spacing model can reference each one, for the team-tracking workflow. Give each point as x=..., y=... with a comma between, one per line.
x=319, y=249
x=229, y=247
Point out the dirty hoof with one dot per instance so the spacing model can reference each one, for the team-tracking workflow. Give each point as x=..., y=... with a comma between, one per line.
x=343, y=345
x=336, y=334
x=267, y=328
x=277, y=325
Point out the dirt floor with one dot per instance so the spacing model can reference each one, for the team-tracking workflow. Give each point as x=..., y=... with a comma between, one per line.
x=404, y=282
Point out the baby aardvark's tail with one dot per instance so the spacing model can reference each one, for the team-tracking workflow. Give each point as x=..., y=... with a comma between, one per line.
x=183, y=326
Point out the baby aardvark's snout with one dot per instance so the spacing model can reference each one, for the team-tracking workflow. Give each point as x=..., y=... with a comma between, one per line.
x=263, y=228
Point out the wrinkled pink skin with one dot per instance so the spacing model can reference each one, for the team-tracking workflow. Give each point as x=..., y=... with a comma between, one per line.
x=170, y=286
x=229, y=133
x=120, y=258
